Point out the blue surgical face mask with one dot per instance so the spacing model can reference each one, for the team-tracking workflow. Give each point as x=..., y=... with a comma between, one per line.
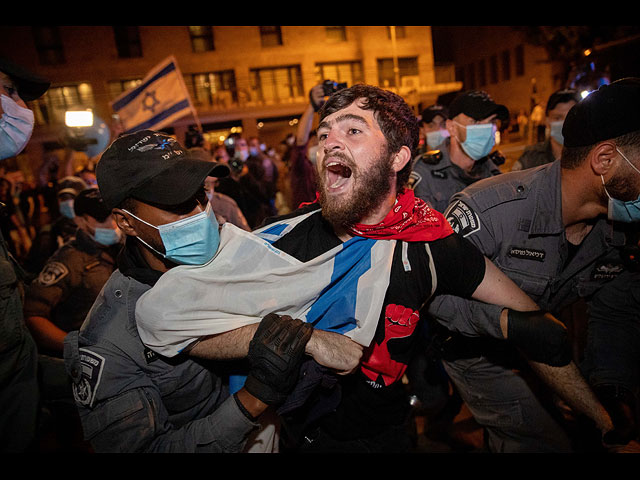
x=480, y=140
x=555, y=131
x=435, y=138
x=107, y=236
x=66, y=209
x=16, y=126
x=190, y=241
x=620, y=211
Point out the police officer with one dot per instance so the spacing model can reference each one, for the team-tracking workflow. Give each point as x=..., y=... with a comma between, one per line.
x=61, y=230
x=433, y=128
x=18, y=355
x=557, y=230
x=558, y=105
x=462, y=157
x=130, y=398
x=57, y=301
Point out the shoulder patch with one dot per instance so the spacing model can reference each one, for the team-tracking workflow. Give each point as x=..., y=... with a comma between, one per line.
x=462, y=218
x=606, y=270
x=52, y=273
x=414, y=179
x=92, y=364
x=431, y=157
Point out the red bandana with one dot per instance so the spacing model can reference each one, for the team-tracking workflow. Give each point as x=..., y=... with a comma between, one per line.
x=411, y=219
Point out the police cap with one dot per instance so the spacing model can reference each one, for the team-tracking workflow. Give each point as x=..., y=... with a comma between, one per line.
x=609, y=112
x=29, y=85
x=89, y=202
x=152, y=167
x=478, y=105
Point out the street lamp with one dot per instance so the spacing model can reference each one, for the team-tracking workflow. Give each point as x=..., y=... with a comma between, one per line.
x=78, y=118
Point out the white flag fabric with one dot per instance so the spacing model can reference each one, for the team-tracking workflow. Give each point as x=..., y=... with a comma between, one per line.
x=341, y=290
x=159, y=100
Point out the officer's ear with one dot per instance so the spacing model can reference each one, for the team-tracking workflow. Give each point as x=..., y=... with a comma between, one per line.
x=122, y=219
x=602, y=157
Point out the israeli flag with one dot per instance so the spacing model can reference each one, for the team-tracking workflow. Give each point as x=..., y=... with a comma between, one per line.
x=159, y=100
x=341, y=290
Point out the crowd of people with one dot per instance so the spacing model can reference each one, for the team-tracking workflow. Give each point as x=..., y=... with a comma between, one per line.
x=318, y=295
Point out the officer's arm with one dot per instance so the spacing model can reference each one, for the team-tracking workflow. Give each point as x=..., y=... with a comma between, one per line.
x=137, y=421
x=45, y=292
x=46, y=334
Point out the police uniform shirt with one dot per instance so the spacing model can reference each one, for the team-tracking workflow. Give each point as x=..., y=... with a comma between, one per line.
x=435, y=179
x=534, y=156
x=70, y=281
x=131, y=399
x=516, y=221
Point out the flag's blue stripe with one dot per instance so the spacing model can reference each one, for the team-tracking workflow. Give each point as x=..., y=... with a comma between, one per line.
x=161, y=116
x=275, y=230
x=335, y=310
x=140, y=88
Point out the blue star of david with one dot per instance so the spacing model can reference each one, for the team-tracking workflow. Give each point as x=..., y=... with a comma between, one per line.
x=164, y=144
x=150, y=101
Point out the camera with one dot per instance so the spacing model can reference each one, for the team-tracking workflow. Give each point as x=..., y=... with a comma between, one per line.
x=331, y=87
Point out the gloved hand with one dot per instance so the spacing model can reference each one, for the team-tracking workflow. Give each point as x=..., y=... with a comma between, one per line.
x=540, y=336
x=275, y=355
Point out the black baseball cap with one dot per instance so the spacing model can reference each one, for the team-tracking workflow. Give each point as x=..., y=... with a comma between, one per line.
x=71, y=185
x=478, y=105
x=89, y=202
x=152, y=167
x=432, y=112
x=609, y=112
x=29, y=85
x=562, y=96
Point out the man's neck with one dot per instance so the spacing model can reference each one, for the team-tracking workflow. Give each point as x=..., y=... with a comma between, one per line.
x=373, y=218
x=581, y=202
x=556, y=149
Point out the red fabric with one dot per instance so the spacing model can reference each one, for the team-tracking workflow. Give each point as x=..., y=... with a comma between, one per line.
x=411, y=219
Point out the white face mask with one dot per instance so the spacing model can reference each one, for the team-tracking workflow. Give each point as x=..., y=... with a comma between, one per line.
x=16, y=126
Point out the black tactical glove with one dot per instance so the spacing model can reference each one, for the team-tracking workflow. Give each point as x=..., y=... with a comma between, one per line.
x=275, y=355
x=540, y=336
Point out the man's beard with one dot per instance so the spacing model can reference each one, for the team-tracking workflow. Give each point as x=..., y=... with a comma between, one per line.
x=371, y=187
x=622, y=187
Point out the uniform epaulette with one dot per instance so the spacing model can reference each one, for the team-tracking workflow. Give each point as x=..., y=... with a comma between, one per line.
x=432, y=157
x=497, y=157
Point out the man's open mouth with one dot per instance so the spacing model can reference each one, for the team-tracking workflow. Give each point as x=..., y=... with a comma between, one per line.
x=337, y=174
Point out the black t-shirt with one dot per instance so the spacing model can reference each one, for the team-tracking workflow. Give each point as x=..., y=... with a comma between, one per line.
x=374, y=397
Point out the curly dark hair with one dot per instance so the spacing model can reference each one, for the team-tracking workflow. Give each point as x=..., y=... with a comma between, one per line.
x=396, y=119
